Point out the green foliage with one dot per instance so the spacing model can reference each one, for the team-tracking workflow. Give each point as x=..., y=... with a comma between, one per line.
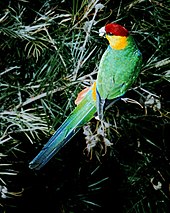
x=50, y=50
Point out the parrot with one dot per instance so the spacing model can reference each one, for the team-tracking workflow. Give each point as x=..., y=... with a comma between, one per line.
x=118, y=69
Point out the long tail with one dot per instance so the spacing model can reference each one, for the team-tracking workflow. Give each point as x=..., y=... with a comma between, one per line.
x=83, y=113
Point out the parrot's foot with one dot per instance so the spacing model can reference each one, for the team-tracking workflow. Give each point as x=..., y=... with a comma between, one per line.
x=129, y=100
x=97, y=139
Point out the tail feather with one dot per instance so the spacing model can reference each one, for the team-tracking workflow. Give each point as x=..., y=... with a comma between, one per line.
x=83, y=113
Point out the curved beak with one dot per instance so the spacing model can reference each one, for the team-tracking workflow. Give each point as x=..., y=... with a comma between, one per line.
x=102, y=31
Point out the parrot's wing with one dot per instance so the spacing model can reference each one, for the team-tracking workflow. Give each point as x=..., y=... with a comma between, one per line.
x=100, y=105
x=115, y=93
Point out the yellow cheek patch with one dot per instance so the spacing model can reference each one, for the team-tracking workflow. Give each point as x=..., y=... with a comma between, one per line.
x=94, y=91
x=117, y=42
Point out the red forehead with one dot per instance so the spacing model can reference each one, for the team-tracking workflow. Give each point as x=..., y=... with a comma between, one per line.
x=116, y=29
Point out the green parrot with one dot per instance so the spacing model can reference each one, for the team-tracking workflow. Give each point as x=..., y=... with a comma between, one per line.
x=118, y=69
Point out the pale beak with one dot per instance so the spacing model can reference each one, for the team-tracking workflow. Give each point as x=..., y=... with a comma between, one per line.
x=102, y=31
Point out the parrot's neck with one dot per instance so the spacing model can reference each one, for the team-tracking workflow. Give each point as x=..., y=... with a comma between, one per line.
x=117, y=42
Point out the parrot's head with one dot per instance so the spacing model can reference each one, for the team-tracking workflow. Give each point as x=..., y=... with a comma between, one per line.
x=116, y=35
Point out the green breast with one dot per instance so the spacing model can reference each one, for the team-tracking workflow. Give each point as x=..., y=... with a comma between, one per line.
x=118, y=70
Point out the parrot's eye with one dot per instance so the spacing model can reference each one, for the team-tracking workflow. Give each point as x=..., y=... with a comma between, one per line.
x=110, y=33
